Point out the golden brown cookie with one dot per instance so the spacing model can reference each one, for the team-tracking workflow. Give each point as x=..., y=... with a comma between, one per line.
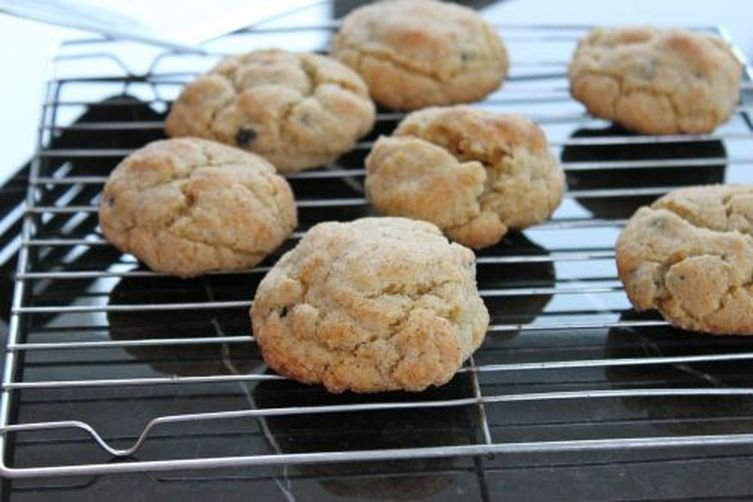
x=190, y=206
x=690, y=256
x=418, y=53
x=372, y=305
x=297, y=110
x=656, y=81
x=472, y=173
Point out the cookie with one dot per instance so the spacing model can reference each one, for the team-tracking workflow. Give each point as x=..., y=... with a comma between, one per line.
x=418, y=53
x=474, y=174
x=297, y=110
x=375, y=304
x=656, y=81
x=690, y=256
x=190, y=206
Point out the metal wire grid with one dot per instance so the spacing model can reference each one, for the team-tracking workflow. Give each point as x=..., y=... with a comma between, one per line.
x=58, y=192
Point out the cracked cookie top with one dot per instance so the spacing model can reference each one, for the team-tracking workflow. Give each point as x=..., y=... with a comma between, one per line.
x=419, y=53
x=472, y=173
x=376, y=304
x=690, y=256
x=297, y=110
x=656, y=81
x=190, y=206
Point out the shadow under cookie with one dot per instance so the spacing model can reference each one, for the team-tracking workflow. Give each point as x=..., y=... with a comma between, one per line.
x=687, y=415
x=650, y=176
x=493, y=273
x=198, y=359
x=375, y=430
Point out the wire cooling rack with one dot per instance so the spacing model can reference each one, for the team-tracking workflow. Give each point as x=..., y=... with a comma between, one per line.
x=111, y=368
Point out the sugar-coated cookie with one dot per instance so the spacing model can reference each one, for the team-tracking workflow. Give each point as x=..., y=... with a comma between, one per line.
x=297, y=110
x=375, y=304
x=690, y=256
x=474, y=174
x=656, y=81
x=190, y=206
x=418, y=53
